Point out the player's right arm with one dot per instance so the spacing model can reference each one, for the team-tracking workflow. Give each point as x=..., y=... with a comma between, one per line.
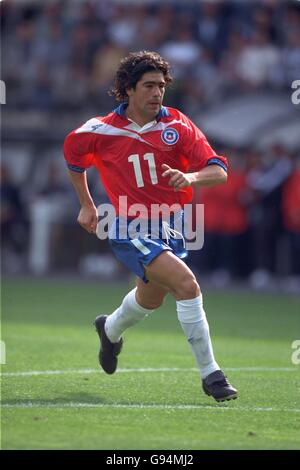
x=88, y=215
x=79, y=155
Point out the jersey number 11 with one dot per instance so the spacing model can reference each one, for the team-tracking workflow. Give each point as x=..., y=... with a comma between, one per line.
x=135, y=159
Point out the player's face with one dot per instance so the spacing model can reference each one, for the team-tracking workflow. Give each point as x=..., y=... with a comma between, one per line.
x=146, y=98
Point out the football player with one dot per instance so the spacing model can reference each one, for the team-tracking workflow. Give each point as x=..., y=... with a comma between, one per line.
x=153, y=155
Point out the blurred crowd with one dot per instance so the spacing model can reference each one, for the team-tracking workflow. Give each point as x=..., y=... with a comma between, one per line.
x=215, y=47
x=62, y=55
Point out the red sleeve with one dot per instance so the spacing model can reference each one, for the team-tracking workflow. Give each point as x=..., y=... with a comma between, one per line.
x=197, y=149
x=79, y=150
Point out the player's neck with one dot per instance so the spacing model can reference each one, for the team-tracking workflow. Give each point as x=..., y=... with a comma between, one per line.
x=137, y=117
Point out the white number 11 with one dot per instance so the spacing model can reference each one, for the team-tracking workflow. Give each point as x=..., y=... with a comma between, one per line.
x=135, y=159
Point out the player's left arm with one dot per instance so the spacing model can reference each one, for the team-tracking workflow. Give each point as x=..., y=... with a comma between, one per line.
x=209, y=176
x=211, y=169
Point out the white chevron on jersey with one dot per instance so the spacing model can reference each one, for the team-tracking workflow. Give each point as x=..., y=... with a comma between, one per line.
x=97, y=126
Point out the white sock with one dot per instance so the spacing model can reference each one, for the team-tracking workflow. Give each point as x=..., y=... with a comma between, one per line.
x=194, y=323
x=129, y=313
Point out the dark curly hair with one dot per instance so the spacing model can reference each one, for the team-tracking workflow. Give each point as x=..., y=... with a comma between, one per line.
x=133, y=67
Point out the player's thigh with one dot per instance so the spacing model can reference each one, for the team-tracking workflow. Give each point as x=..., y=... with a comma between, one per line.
x=171, y=273
x=150, y=295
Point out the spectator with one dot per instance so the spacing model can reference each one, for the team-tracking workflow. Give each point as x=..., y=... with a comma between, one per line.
x=290, y=57
x=13, y=223
x=290, y=208
x=49, y=207
x=258, y=62
x=183, y=51
x=267, y=182
x=226, y=225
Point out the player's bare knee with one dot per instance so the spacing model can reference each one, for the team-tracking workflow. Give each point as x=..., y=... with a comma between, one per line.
x=188, y=289
x=150, y=304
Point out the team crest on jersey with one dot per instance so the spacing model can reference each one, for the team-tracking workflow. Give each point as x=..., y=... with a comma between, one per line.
x=170, y=136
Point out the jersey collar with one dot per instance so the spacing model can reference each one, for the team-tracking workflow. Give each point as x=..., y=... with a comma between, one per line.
x=163, y=112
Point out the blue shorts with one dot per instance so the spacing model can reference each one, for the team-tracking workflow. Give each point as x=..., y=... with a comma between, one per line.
x=137, y=248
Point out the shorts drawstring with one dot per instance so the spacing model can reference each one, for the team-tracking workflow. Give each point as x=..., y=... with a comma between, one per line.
x=170, y=232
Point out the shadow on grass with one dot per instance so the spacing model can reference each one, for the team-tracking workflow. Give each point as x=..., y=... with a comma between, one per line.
x=85, y=400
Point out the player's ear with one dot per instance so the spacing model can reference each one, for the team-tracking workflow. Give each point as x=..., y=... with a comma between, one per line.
x=129, y=91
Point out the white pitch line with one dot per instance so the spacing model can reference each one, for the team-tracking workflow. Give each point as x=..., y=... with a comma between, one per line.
x=150, y=406
x=148, y=369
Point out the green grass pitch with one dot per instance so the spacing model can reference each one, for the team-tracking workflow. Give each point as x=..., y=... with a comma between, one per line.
x=54, y=395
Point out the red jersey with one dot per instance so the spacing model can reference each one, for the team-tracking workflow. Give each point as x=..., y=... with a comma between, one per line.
x=223, y=211
x=129, y=157
x=291, y=202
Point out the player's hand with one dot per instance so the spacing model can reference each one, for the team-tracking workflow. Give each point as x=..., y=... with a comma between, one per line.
x=88, y=218
x=177, y=179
